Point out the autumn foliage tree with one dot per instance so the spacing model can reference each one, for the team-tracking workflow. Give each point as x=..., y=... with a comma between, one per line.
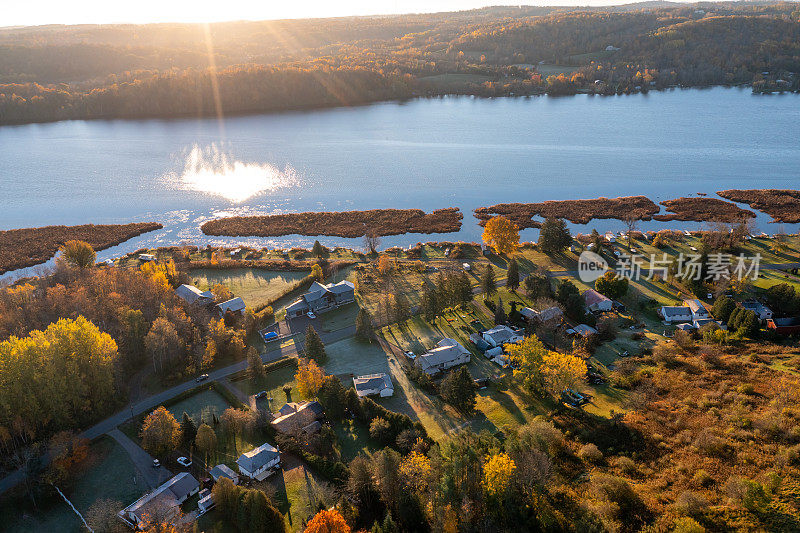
x=78, y=254
x=328, y=521
x=206, y=441
x=498, y=474
x=309, y=378
x=501, y=234
x=160, y=432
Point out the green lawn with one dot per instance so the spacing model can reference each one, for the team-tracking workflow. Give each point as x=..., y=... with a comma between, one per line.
x=273, y=383
x=200, y=407
x=109, y=473
x=256, y=287
x=350, y=357
x=354, y=440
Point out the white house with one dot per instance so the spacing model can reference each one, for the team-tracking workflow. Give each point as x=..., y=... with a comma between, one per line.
x=206, y=501
x=500, y=335
x=697, y=308
x=596, y=301
x=223, y=470
x=147, y=257
x=447, y=354
x=163, y=501
x=373, y=384
x=610, y=237
x=192, y=295
x=676, y=314
x=234, y=305
x=259, y=462
x=763, y=312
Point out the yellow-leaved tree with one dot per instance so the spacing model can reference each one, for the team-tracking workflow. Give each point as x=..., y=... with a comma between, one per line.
x=542, y=369
x=498, y=474
x=309, y=378
x=501, y=234
x=562, y=371
x=160, y=432
x=384, y=264
x=415, y=469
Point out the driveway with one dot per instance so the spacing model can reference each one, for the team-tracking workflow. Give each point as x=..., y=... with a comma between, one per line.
x=142, y=460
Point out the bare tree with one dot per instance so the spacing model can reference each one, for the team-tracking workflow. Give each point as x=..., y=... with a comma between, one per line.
x=631, y=222
x=371, y=241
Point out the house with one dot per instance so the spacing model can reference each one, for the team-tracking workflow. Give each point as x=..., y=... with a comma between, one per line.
x=373, y=384
x=596, y=301
x=296, y=418
x=234, y=305
x=763, y=312
x=224, y=471
x=584, y=331
x=500, y=335
x=697, y=308
x=206, y=501
x=611, y=48
x=321, y=298
x=610, y=237
x=784, y=326
x=551, y=313
x=162, y=502
x=493, y=352
x=685, y=327
x=447, y=354
x=675, y=314
x=700, y=322
x=192, y=295
x=529, y=314
x=147, y=257
x=259, y=462
x=478, y=341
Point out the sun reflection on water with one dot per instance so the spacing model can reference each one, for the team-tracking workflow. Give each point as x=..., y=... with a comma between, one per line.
x=213, y=171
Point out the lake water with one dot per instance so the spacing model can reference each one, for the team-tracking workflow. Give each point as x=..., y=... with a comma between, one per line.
x=457, y=151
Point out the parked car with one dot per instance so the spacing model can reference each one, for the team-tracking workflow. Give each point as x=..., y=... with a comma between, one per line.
x=156, y=463
x=183, y=461
x=481, y=383
x=261, y=394
x=311, y=315
x=201, y=377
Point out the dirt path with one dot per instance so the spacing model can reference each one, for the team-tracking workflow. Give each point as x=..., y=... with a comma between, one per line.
x=142, y=460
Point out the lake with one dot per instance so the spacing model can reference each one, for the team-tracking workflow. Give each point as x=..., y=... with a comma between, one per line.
x=430, y=153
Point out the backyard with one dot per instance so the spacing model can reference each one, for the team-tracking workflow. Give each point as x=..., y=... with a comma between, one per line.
x=256, y=287
x=107, y=474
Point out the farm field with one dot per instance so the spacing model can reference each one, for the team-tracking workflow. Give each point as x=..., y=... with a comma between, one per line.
x=255, y=287
x=108, y=474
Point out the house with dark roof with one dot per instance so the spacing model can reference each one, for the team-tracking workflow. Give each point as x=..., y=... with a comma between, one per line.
x=234, y=305
x=259, y=462
x=297, y=418
x=500, y=335
x=675, y=314
x=162, y=502
x=763, y=312
x=373, y=385
x=223, y=470
x=784, y=326
x=321, y=298
x=192, y=295
x=447, y=354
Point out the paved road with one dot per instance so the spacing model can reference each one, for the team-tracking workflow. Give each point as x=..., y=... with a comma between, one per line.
x=143, y=461
x=151, y=402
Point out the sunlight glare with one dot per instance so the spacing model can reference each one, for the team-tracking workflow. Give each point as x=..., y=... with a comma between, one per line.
x=215, y=172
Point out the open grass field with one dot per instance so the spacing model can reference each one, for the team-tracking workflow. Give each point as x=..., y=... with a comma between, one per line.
x=350, y=357
x=555, y=70
x=255, y=287
x=200, y=407
x=108, y=473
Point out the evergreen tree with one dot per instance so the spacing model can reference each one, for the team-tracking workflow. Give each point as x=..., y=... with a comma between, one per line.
x=723, y=307
x=488, y=282
x=332, y=397
x=314, y=348
x=458, y=390
x=500, y=313
x=538, y=286
x=464, y=289
x=512, y=281
x=597, y=241
x=188, y=431
x=255, y=366
x=363, y=325
x=430, y=304
x=554, y=236
x=570, y=297
x=318, y=250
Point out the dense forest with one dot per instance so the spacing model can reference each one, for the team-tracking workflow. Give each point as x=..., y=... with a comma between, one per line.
x=62, y=72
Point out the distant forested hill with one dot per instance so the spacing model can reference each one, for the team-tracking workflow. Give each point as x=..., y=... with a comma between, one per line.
x=61, y=72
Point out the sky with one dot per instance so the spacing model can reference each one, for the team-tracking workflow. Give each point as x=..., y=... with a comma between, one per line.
x=15, y=13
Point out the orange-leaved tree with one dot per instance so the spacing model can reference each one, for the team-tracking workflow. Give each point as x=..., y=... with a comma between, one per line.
x=328, y=521
x=501, y=234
